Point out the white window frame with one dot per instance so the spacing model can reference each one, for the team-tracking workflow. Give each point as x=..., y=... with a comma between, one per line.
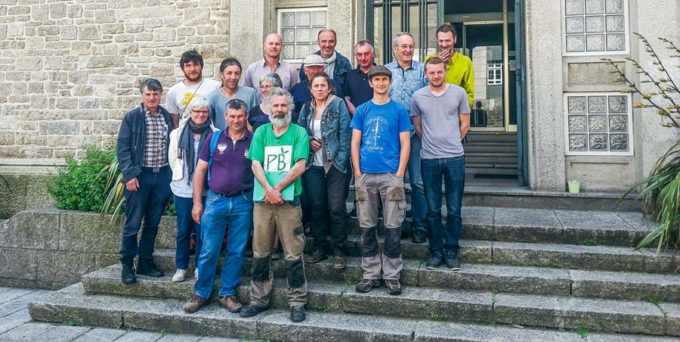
x=494, y=81
x=626, y=33
x=279, y=20
x=629, y=114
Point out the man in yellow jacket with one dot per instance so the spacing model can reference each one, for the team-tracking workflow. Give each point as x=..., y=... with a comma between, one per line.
x=458, y=66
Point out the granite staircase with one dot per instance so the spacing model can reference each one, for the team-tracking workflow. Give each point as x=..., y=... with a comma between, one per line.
x=527, y=275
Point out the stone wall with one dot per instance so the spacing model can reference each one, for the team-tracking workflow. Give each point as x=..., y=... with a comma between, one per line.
x=52, y=248
x=69, y=68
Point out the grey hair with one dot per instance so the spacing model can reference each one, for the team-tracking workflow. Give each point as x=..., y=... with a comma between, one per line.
x=363, y=43
x=273, y=78
x=198, y=102
x=282, y=92
x=399, y=35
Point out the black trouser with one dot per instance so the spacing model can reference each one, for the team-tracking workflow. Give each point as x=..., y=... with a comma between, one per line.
x=147, y=203
x=325, y=197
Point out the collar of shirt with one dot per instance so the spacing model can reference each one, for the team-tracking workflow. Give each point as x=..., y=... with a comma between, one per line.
x=150, y=113
x=265, y=65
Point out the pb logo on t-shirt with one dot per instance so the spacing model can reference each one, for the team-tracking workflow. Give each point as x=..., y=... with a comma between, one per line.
x=278, y=158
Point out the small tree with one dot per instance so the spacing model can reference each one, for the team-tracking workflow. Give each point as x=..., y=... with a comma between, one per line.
x=661, y=189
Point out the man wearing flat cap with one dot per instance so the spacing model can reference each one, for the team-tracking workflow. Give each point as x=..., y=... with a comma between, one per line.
x=313, y=64
x=381, y=145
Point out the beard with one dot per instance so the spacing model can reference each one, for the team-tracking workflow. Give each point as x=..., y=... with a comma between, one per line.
x=280, y=119
x=193, y=79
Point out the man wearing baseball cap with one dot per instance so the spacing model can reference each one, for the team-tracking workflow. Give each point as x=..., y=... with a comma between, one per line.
x=381, y=143
x=301, y=94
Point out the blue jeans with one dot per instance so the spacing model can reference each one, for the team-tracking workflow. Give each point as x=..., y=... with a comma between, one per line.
x=185, y=226
x=237, y=212
x=147, y=203
x=418, y=202
x=444, y=238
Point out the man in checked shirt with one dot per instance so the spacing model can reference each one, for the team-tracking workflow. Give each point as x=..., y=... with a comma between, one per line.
x=142, y=152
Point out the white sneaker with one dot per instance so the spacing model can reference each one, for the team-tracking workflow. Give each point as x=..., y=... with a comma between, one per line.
x=179, y=276
x=196, y=273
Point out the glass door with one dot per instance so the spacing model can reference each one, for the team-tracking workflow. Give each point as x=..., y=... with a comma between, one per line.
x=483, y=43
x=386, y=18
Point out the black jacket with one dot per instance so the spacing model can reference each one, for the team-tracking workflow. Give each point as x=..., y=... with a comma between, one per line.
x=132, y=141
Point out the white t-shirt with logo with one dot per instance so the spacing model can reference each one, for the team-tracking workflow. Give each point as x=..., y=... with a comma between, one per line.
x=180, y=95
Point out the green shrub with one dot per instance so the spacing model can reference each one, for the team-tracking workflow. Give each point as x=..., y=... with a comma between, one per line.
x=80, y=185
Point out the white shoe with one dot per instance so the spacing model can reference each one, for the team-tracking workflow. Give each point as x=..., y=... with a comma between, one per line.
x=179, y=275
x=196, y=273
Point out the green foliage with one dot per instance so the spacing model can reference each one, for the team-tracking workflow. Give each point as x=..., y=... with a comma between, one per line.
x=655, y=300
x=79, y=185
x=589, y=242
x=114, y=203
x=583, y=332
x=660, y=191
x=661, y=196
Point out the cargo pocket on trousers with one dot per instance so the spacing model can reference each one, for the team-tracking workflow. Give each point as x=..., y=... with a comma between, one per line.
x=397, y=200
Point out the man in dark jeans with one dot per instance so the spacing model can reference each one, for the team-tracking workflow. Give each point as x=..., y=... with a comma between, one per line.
x=441, y=116
x=142, y=152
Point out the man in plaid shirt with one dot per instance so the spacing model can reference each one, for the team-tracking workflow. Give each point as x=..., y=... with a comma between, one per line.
x=142, y=152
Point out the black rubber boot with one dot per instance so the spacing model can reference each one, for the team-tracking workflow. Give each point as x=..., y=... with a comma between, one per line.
x=128, y=274
x=148, y=268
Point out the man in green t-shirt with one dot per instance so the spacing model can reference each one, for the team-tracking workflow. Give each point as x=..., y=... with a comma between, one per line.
x=278, y=147
x=458, y=66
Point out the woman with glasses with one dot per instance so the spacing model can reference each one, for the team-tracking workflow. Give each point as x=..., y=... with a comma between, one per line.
x=259, y=115
x=326, y=180
x=185, y=142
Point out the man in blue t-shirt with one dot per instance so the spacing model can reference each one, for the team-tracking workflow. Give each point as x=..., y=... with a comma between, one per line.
x=381, y=145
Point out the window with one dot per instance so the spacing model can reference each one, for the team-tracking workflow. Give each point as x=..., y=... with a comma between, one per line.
x=494, y=74
x=598, y=124
x=299, y=27
x=595, y=27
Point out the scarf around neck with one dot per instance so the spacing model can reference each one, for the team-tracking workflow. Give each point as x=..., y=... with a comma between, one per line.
x=186, y=144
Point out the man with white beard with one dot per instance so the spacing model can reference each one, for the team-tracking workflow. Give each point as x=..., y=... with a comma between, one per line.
x=278, y=147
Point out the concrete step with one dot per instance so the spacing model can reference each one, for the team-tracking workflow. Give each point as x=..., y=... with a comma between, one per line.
x=472, y=148
x=494, y=158
x=331, y=305
x=472, y=277
x=584, y=257
x=551, y=226
x=490, y=137
x=599, y=228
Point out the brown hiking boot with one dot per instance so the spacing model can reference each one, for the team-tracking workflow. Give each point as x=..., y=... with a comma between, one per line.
x=366, y=285
x=231, y=303
x=339, y=262
x=393, y=286
x=194, y=303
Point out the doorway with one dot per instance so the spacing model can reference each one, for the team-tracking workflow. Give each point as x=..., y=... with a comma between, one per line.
x=490, y=33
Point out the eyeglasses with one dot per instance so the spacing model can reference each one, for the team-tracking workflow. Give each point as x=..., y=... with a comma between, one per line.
x=200, y=111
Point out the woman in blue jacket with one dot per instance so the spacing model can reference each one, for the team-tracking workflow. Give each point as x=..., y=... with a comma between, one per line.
x=326, y=180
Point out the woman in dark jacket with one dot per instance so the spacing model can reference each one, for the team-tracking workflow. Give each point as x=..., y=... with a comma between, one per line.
x=326, y=179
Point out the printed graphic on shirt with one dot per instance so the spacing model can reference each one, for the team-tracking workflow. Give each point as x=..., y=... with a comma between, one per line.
x=188, y=96
x=278, y=158
x=375, y=127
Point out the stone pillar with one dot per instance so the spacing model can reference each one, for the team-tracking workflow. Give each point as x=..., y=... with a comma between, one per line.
x=341, y=17
x=544, y=96
x=249, y=23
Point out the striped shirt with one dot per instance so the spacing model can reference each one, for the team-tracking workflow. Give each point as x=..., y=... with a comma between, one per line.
x=155, y=149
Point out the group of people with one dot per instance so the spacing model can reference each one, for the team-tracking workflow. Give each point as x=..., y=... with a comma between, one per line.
x=261, y=158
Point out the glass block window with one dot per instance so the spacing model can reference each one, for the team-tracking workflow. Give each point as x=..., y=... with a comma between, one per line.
x=494, y=74
x=299, y=27
x=595, y=27
x=599, y=124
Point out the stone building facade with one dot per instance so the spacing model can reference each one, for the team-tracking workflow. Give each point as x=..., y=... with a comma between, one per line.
x=69, y=69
